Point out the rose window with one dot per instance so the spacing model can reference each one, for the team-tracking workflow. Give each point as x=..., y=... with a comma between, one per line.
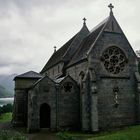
x=114, y=60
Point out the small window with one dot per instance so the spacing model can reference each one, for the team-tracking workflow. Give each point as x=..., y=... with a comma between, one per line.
x=82, y=74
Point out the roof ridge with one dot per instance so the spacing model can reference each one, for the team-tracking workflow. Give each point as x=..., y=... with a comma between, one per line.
x=38, y=81
x=101, y=23
x=29, y=74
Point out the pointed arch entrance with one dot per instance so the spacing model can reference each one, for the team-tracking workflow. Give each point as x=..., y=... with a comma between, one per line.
x=45, y=113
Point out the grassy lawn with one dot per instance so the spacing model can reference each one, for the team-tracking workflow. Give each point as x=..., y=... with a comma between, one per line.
x=5, y=117
x=129, y=133
x=8, y=134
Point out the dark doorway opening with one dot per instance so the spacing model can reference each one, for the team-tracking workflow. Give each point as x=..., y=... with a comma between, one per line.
x=45, y=116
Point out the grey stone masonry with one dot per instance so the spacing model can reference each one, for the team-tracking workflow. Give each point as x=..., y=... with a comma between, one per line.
x=21, y=100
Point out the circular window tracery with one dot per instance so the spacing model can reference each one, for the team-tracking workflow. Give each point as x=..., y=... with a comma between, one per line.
x=114, y=60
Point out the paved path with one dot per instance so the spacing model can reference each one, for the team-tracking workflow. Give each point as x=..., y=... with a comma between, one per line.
x=5, y=126
x=44, y=134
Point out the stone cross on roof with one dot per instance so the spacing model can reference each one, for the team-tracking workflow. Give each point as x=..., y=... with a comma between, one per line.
x=84, y=19
x=111, y=7
x=54, y=48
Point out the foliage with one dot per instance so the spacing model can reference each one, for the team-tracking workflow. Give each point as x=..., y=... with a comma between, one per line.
x=65, y=136
x=7, y=135
x=6, y=117
x=6, y=108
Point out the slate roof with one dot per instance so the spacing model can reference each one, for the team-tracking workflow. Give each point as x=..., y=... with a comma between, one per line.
x=57, y=56
x=87, y=43
x=65, y=51
x=82, y=43
x=29, y=74
x=74, y=46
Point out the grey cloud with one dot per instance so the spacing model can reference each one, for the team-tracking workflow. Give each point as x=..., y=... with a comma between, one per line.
x=30, y=28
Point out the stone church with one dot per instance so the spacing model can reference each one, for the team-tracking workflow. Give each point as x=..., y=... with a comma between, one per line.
x=91, y=83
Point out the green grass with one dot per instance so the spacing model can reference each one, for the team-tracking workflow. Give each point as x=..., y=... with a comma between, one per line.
x=129, y=133
x=5, y=117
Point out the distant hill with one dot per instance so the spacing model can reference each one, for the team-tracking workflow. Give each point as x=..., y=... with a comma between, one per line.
x=4, y=92
x=7, y=85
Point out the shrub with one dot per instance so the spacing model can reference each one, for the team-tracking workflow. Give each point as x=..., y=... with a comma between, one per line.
x=65, y=136
x=7, y=135
x=6, y=108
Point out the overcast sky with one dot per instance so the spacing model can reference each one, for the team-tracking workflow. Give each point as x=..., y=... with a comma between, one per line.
x=30, y=28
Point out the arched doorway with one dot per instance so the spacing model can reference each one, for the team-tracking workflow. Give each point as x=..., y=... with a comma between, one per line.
x=45, y=116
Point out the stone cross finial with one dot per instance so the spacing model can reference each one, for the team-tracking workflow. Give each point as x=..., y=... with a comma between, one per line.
x=111, y=7
x=54, y=48
x=84, y=19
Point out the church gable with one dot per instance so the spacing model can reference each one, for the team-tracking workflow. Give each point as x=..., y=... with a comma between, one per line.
x=112, y=48
x=112, y=25
x=44, y=84
x=85, y=45
x=113, y=59
x=42, y=102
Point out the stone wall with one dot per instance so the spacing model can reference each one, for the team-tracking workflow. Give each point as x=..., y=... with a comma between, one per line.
x=114, y=109
x=68, y=105
x=74, y=71
x=20, y=101
x=63, y=103
x=111, y=114
x=43, y=93
x=55, y=71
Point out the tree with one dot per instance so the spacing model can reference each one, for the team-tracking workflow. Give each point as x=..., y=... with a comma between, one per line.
x=6, y=108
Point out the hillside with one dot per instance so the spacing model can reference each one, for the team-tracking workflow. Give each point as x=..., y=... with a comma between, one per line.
x=6, y=85
x=4, y=92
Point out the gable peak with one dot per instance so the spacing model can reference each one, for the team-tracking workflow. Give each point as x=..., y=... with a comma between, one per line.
x=84, y=28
